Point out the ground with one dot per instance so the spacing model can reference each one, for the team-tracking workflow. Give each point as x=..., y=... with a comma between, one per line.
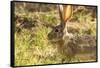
x=32, y=26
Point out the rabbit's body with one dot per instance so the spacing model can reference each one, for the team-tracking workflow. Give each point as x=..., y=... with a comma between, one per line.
x=69, y=44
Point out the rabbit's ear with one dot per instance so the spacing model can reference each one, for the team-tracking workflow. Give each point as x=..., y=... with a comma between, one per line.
x=60, y=7
x=67, y=12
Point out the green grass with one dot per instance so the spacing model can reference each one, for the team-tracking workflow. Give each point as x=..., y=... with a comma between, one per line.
x=32, y=46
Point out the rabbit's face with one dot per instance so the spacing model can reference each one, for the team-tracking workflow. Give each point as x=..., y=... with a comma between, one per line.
x=56, y=34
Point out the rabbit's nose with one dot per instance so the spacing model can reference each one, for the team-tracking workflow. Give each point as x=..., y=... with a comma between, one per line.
x=50, y=36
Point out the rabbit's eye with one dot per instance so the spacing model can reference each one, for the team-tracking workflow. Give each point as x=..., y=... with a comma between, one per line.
x=56, y=30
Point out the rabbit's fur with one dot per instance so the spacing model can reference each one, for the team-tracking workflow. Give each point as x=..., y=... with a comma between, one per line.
x=70, y=44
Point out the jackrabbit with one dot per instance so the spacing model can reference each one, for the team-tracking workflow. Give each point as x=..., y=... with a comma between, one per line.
x=68, y=43
x=60, y=31
x=59, y=34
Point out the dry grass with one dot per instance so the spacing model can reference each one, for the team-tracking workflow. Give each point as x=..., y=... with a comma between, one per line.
x=31, y=44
